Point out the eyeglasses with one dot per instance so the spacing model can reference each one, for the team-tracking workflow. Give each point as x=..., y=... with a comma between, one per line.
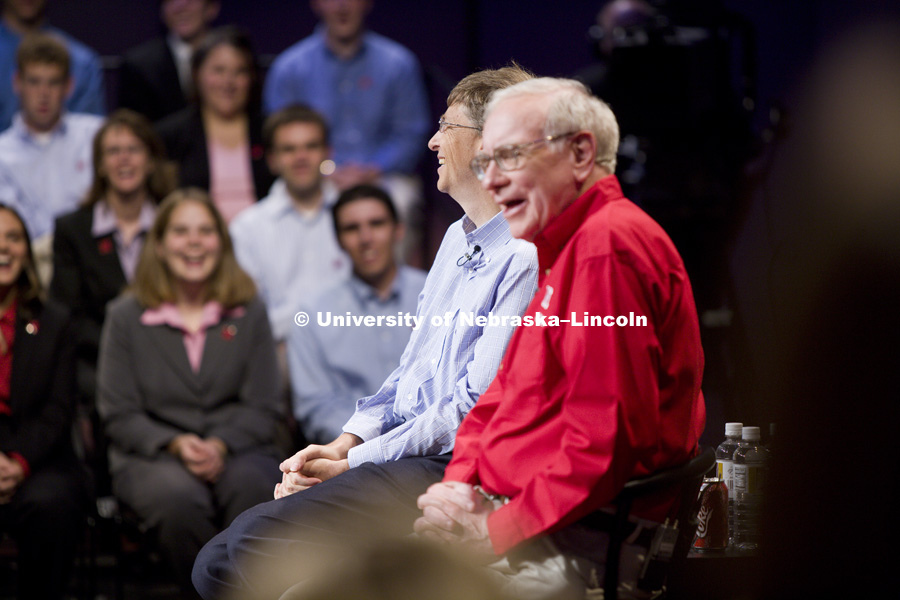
x=510, y=157
x=444, y=125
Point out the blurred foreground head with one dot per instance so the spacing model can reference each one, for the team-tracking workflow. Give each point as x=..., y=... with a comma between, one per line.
x=836, y=285
x=399, y=569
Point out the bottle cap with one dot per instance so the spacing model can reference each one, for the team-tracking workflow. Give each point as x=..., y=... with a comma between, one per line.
x=732, y=429
x=750, y=433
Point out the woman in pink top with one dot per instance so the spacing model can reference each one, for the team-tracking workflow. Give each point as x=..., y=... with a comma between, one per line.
x=188, y=384
x=217, y=142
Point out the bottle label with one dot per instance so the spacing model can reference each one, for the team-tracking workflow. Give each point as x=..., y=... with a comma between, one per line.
x=725, y=469
x=749, y=478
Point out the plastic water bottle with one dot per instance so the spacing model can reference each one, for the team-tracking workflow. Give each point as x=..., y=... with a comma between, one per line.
x=749, y=484
x=725, y=468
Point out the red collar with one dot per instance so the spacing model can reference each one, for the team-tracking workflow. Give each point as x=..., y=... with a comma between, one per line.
x=551, y=241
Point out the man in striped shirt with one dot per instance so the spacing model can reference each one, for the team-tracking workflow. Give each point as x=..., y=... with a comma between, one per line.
x=400, y=439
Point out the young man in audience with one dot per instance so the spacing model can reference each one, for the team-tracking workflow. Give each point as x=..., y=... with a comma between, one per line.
x=365, y=483
x=370, y=90
x=46, y=149
x=286, y=241
x=18, y=19
x=333, y=365
x=155, y=77
x=575, y=411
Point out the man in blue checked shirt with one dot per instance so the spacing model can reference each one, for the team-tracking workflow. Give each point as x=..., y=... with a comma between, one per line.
x=366, y=482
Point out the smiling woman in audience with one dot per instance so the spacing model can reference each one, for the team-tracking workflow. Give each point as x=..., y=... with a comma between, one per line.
x=188, y=384
x=43, y=494
x=96, y=248
x=217, y=143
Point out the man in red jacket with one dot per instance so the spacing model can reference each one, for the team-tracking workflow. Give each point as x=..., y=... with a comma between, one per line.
x=600, y=383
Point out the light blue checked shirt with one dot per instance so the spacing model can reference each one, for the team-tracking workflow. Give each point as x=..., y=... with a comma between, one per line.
x=446, y=367
x=54, y=171
x=333, y=367
x=291, y=256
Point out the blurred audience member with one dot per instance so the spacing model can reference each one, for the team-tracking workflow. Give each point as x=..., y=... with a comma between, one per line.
x=370, y=90
x=216, y=142
x=188, y=385
x=47, y=150
x=615, y=20
x=287, y=242
x=405, y=569
x=96, y=248
x=21, y=17
x=155, y=77
x=43, y=491
x=332, y=366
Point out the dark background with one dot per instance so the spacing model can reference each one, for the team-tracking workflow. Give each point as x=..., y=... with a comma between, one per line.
x=721, y=225
x=454, y=37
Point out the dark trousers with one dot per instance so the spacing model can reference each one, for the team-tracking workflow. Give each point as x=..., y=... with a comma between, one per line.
x=46, y=517
x=186, y=512
x=277, y=544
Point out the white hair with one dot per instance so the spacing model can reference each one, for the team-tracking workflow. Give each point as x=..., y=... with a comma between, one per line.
x=573, y=108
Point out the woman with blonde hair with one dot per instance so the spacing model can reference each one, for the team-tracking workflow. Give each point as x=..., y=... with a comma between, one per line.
x=188, y=384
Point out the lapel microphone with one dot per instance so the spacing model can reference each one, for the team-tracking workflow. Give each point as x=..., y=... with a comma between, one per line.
x=466, y=257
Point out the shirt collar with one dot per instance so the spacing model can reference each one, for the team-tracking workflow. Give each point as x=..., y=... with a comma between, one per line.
x=167, y=314
x=18, y=126
x=492, y=235
x=179, y=47
x=320, y=32
x=104, y=221
x=551, y=241
x=366, y=293
x=285, y=205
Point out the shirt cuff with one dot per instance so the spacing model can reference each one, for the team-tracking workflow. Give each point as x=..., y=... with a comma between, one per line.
x=362, y=427
x=370, y=451
x=504, y=530
x=26, y=469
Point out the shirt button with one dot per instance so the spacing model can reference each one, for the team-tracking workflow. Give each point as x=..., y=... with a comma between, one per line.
x=409, y=396
x=433, y=360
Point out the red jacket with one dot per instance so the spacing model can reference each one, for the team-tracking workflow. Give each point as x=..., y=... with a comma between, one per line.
x=576, y=410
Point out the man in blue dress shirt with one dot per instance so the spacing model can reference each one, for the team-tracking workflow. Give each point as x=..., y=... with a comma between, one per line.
x=336, y=360
x=21, y=17
x=370, y=89
x=47, y=151
x=400, y=439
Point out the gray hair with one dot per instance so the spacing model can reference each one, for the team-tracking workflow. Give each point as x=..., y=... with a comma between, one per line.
x=572, y=108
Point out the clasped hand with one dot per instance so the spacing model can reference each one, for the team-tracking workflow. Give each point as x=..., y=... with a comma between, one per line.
x=204, y=458
x=315, y=464
x=455, y=513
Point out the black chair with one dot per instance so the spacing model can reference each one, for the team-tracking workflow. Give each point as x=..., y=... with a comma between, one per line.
x=674, y=548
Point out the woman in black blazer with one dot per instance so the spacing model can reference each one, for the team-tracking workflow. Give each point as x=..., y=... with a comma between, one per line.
x=217, y=142
x=43, y=490
x=96, y=247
